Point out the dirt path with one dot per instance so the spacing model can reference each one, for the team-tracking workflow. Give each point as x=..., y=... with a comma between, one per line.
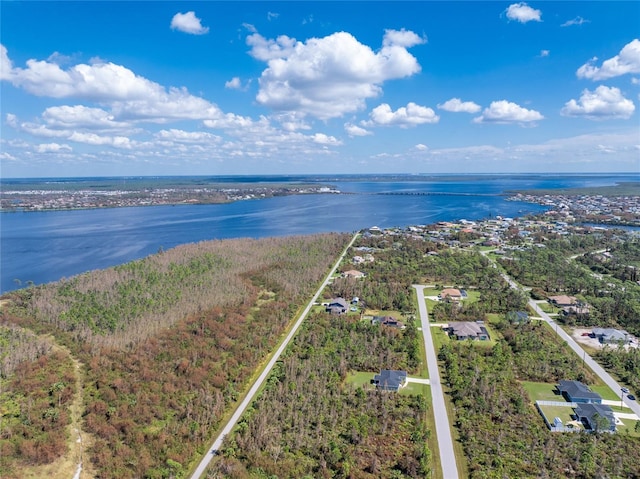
x=74, y=464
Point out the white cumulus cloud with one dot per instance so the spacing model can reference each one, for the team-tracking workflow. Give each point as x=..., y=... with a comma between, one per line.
x=602, y=104
x=330, y=76
x=507, y=112
x=355, y=130
x=80, y=116
x=456, y=105
x=627, y=61
x=52, y=148
x=188, y=23
x=323, y=139
x=411, y=115
x=233, y=84
x=421, y=147
x=523, y=13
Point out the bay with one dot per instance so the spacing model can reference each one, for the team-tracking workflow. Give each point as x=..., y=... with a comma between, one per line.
x=40, y=247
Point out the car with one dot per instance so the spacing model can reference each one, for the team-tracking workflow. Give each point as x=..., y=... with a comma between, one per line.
x=624, y=390
x=631, y=397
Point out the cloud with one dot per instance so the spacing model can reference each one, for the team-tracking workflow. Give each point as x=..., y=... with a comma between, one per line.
x=330, y=76
x=354, y=130
x=421, y=147
x=411, y=115
x=93, y=139
x=233, y=84
x=627, y=61
x=456, y=105
x=188, y=23
x=52, y=148
x=523, y=13
x=80, y=116
x=130, y=96
x=507, y=112
x=323, y=139
x=272, y=15
x=604, y=103
x=544, y=53
x=575, y=21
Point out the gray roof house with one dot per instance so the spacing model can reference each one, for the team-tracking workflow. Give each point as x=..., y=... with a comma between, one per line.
x=468, y=330
x=390, y=380
x=589, y=415
x=388, y=321
x=575, y=391
x=337, y=306
x=610, y=335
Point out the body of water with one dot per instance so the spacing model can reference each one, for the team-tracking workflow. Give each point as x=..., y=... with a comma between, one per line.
x=47, y=246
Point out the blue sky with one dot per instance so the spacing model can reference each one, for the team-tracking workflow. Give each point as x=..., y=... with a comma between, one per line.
x=206, y=88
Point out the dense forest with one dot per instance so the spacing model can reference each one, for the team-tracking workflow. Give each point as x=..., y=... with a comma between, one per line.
x=604, y=280
x=504, y=436
x=309, y=423
x=37, y=383
x=167, y=344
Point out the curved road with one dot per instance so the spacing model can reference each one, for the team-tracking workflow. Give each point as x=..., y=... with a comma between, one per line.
x=443, y=429
x=265, y=373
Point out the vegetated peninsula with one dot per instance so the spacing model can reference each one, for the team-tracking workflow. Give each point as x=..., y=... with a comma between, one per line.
x=147, y=359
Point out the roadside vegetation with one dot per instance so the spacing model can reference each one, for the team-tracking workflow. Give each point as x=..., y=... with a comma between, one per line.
x=168, y=343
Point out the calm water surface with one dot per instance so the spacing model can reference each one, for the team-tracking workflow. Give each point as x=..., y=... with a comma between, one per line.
x=47, y=246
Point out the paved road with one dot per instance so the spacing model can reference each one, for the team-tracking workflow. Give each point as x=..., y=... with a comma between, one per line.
x=443, y=429
x=265, y=373
x=599, y=370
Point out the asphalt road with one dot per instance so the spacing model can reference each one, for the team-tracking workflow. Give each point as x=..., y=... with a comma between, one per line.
x=443, y=429
x=589, y=361
x=265, y=373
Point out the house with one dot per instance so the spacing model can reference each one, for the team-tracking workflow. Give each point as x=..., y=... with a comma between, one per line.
x=337, y=306
x=388, y=321
x=611, y=336
x=468, y=330
x=450, y=295
x=597, y=417
x=579, y=308
x=357, y=259
x=575, y=391
x=353, y=273
x=517, y=317
x=563, y=300
x=390, y=380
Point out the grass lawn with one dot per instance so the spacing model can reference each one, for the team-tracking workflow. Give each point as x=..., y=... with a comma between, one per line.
x=541, y=391
x=549, y=309
x=627, y=427
x=473, y=296
x=362, y=379
x=415, y=389
x=605, y=392
x=564, y=413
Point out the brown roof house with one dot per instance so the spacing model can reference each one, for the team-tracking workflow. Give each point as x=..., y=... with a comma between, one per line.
x=353, y=273
x=450, y=295
x=468, y=330
x=563, y=300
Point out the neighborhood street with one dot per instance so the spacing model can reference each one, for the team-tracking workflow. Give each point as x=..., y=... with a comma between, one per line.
x=265, y=373
x=443, y=429
x=599, y=370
